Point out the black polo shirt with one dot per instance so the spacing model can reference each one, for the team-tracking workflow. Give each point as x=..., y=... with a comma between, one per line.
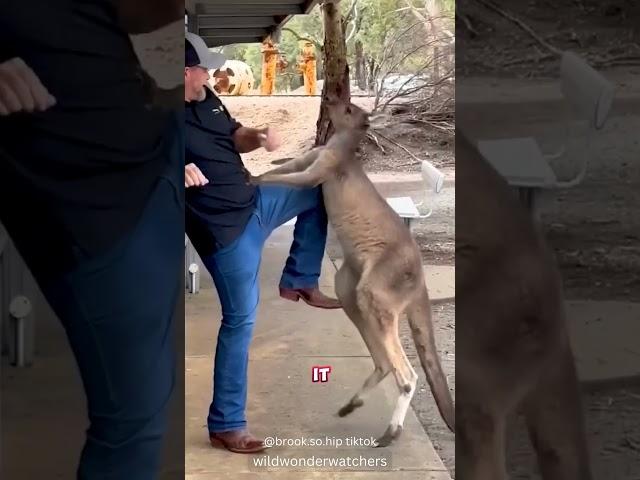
x=218, y=212
x=75, y=179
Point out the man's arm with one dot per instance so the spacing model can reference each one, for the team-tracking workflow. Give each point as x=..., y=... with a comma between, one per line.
x=249, y=139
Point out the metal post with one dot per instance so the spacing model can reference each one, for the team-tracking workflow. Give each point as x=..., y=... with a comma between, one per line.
x=194, y=278
x=20, y=311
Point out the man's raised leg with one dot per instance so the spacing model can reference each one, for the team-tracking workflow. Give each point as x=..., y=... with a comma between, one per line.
x=301, y=273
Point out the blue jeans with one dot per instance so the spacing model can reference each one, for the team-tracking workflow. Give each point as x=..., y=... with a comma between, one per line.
x=235, y=273
x=118, y=311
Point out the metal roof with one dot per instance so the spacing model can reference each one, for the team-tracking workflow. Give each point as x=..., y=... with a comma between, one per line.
x=224, y=22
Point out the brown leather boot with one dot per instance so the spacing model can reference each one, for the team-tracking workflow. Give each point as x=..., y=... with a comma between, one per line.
x=311, y=296
x=237, y=441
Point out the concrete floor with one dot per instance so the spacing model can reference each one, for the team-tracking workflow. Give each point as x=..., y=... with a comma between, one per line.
x=283, y=402
x=43, y=414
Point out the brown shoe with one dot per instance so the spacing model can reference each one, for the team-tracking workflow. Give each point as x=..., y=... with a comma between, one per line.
x=312, y=296
x=237, y=441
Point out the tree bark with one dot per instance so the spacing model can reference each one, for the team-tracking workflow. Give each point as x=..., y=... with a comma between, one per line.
x=336, y=68
x=361, y=77
x=371, y=76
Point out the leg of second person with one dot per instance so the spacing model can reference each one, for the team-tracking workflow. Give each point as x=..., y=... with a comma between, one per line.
x=117, y=310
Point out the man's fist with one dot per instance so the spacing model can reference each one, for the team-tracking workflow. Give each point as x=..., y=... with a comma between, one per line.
x=193, y=177
x=270, y=139
x=21, y=89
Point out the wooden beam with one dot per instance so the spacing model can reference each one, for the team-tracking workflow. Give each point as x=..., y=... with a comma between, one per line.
x=224, y=23
x=220, y=41
x=217, y=13
x=232, y=33
x=222, y=3
x=250, y=10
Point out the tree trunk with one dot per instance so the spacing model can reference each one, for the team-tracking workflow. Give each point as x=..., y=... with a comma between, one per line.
x=436, y=67
x=371, y=75
x=360, y=67
x=433, y=13
x=336, y=68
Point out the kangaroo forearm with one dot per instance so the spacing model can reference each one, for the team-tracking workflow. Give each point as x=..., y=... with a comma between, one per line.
x=296, y=165
x=296, y=179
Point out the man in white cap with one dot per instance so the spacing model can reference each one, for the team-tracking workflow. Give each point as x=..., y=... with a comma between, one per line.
x=228, y=222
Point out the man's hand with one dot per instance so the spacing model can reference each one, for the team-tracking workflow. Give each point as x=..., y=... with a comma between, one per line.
x=249, y=139
x=21, y=89
x=270, y=139
x=193, y=177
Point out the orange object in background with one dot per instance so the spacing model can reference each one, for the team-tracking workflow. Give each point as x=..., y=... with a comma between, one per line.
x=307, y=67
x=269, y=64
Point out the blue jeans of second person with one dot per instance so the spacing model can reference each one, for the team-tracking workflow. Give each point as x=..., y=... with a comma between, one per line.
x=118, y=309
x=235, y=269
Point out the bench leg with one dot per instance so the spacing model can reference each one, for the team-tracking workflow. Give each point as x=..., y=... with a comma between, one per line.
x=21, y=316
x=529, y=197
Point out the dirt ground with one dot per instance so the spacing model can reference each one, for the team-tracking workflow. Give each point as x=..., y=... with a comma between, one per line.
x=594, y=228
x=605, y=32
x=295, y=118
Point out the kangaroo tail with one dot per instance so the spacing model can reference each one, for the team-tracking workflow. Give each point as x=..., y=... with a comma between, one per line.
x=419, y=315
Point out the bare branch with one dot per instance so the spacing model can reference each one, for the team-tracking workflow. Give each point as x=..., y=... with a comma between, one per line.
x=412, y=91
x=467, y=23
x=522, y=25
x=400, y=145
x=351, y=11
x=396, y=39
x=355, y=23
x=375, y=140
x=415, y=11
x=306, y=39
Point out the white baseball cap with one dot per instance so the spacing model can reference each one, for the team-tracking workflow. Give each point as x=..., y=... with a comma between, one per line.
x=196, y=53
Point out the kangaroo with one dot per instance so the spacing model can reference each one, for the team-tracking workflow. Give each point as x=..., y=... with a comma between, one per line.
x=381, y=277
x=512, y=342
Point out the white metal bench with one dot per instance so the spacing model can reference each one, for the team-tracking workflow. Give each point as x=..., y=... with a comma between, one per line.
x=407, y=209
x=588, y=97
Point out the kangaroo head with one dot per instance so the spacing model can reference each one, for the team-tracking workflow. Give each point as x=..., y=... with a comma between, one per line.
x=347, y=116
